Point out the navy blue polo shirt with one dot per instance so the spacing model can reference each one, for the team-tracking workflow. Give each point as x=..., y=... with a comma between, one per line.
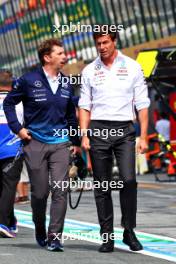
x=48, y=116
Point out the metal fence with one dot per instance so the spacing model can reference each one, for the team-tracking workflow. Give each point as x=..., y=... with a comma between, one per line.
x=25, y=23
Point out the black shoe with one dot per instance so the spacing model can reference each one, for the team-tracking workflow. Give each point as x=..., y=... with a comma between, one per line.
x=40, y=236
x=107, y=247
x=130, y=239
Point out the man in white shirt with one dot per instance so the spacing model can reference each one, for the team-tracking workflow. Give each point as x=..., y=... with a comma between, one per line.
x=113, y=84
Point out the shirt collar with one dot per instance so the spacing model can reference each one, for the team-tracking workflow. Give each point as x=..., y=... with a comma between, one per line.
x=119, y=54
x=52, y=78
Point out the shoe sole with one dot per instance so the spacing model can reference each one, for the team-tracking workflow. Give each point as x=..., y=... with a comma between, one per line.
x=6, y=234
x=109, y=251
x=55, y=249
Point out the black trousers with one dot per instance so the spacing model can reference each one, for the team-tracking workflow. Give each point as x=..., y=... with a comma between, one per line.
x=8, y=182
x=122, y=144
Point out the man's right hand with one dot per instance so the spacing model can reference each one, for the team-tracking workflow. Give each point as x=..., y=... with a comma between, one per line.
x=85, y=143
x=24, y=134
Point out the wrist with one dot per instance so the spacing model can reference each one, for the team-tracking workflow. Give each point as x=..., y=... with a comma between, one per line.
x=84, y=136
x=143, y=137
x=84, y=133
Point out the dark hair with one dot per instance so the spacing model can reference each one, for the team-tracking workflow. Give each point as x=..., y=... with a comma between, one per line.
x=101, y=32
x=5, y=77
x=46, y=48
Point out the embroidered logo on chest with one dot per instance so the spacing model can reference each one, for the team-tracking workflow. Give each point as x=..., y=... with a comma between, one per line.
x=38, y=83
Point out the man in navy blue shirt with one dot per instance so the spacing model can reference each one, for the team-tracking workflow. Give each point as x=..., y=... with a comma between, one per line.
x=49, y=114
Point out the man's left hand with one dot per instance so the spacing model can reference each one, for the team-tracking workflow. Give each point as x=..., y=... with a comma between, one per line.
x=142, y=146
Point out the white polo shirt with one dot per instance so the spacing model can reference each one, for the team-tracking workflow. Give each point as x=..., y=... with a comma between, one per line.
x=112, y=93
